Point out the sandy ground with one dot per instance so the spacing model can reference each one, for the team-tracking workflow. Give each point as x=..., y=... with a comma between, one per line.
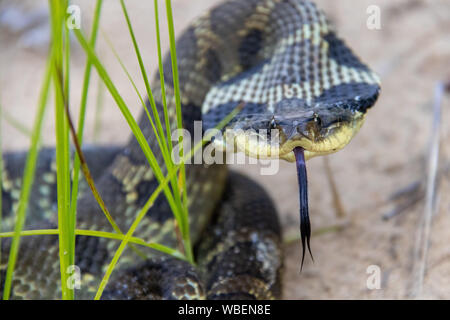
x=411, y=52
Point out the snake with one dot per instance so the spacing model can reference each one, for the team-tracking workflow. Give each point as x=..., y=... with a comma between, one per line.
x=292, y=80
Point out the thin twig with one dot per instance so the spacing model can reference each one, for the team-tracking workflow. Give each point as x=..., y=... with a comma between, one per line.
x=340, y=211
x=294, y=238
x=423, y=232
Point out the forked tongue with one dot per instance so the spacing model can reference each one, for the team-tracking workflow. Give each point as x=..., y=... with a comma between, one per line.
x=305, y=226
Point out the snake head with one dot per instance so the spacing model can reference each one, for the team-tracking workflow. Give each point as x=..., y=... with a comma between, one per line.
x=319, y=129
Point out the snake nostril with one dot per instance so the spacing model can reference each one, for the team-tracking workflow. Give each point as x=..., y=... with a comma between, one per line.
x=273, y=123
x=303, y=131
x=317, y=120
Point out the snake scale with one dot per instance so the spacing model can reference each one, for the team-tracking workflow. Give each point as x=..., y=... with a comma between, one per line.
x=282, y=61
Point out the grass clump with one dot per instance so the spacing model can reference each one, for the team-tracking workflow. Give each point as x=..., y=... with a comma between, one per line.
x=171, y=179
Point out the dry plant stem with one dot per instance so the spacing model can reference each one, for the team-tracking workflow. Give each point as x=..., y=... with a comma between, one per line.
x=409, y=196
x=294, y=238
x=423, y=232
x=339, y=208
x=84, y=167
x=88, y=176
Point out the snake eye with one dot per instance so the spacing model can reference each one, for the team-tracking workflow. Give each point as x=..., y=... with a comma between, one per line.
x=317, y=119
x=272, y=124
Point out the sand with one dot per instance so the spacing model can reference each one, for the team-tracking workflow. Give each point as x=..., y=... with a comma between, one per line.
x=411, y=52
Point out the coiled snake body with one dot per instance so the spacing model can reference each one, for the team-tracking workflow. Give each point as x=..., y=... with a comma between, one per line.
x=283, y=63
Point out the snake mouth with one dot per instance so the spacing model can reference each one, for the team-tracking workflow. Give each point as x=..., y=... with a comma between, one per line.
x=322, y=142
x=313, y=136
x=295, y=138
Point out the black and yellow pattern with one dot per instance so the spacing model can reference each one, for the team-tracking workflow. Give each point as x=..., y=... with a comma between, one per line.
x=282, y=61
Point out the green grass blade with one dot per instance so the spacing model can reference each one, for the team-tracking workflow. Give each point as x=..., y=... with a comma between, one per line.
x=166, y=156
x=124, y=68
x=173, y=56
x=141, y=99
x=81, y=119
x=28, y=179
x=160, y=131
x=80, y=161
x=1, y=181
x=25, y=233
x=128, y=117
x=66, y=91
x=130, y=232
x=138, y=241
x=161, y=76
x=58, y=9
x=162, y=141
x=90, y=181
x=16, y=124
x=185, y=237
x=153, y=197
x=100, y=234
x=176, y=85
x=88, y=176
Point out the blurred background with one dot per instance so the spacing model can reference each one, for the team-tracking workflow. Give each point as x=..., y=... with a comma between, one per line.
x=410, y=52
